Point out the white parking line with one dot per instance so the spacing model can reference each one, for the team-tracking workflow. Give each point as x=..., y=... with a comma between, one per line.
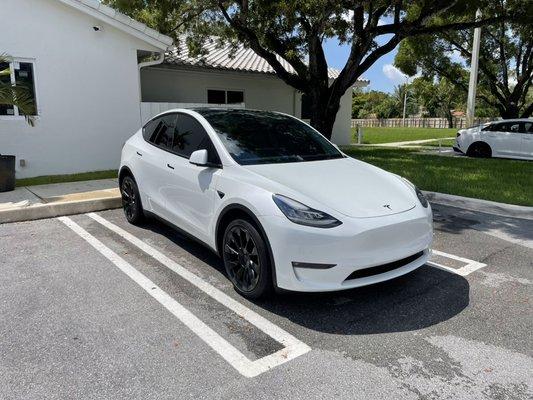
x=292, y=346
x=470, y=266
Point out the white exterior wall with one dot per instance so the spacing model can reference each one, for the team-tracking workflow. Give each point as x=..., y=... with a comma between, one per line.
x=342, y=131
x=87, y=86
x=262, y=92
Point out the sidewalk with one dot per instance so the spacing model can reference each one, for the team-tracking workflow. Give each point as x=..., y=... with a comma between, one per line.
x=407, y=144
x=52, y=200
x=56, y=199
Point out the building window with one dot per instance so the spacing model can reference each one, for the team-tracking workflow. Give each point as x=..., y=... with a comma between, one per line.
x=18, y=73
x=216, y=96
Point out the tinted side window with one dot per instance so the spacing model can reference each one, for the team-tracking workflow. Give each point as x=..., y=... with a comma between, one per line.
x=149, y=128
x=189, y=135
x=212, y=155
x=528, y=127
x=511, y=127
x=164, y=132
x=514, y=127
x=496, y=128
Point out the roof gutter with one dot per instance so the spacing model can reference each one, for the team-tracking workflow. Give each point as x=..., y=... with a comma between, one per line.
x=157, y=61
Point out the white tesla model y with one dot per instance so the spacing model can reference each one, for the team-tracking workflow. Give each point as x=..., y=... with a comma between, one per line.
x=277, y=201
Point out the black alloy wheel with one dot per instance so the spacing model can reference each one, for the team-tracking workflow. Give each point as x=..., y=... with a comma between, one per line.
x=246, y=260
x=479, y=150
x=131, y=200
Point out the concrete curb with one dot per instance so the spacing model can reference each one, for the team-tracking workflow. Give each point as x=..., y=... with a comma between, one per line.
x=51, y=210
x=484, y=206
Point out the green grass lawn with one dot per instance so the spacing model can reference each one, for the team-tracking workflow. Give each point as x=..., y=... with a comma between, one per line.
x=389, y=135
x=505, y=181
x=84, y=176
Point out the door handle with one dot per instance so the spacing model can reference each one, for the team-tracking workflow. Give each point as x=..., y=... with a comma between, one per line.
x=139, y=154
x=170, y=166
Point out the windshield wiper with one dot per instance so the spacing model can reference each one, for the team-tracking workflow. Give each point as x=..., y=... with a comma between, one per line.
x=318, y=157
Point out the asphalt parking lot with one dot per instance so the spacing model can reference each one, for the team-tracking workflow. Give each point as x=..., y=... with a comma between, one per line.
x=94, y=308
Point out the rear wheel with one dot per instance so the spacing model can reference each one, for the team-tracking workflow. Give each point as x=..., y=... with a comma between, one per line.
x=479, y=150
x=131, y=200
x=246, y=259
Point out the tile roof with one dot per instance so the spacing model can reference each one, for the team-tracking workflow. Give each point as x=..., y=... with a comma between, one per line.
x=243, y=59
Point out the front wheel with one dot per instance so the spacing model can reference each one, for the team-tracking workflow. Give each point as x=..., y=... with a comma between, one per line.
x=131, y=200
x=479, y=150
x=246, y=259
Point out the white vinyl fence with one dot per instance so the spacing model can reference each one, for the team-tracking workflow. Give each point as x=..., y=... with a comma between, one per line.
x=415, y=122
x=148, y=110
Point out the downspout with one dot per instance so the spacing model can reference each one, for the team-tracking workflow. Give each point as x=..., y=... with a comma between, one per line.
x=157, y=61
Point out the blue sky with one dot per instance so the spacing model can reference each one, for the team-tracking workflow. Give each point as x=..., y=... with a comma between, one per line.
x=382, y=75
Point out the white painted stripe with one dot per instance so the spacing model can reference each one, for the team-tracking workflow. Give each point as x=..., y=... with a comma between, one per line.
x=217, y=343
x=470, y=266
x=292, y=346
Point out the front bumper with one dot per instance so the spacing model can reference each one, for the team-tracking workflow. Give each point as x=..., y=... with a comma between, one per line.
x=357, y=244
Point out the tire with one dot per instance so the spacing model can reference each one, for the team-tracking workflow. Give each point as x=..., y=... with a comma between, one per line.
x=246, y=260
x=131, y=201
x=479, y=150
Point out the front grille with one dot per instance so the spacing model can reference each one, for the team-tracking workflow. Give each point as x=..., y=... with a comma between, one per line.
x=381, y=269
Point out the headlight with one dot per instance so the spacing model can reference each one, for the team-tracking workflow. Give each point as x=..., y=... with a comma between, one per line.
x=419, y=194
x=301, y=214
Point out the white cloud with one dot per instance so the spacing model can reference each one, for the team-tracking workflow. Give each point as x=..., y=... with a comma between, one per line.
x=348, y=16
x=394, y=74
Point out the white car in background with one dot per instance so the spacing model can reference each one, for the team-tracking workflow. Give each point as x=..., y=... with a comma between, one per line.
x=279, y=203
x=512, y=138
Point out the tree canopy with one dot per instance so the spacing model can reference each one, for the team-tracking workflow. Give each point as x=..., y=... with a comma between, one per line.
x=505, y=63
x=295, y=30
x=425, y=97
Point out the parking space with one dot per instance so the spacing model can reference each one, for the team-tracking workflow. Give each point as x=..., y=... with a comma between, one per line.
x=92, y=307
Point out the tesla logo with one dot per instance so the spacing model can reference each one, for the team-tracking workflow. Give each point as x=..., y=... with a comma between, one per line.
x=387, y=206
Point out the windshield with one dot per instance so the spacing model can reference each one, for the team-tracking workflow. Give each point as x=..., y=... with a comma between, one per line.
x=260, y=137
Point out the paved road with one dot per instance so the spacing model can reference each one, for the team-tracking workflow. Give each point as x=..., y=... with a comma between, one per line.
x=98, y=317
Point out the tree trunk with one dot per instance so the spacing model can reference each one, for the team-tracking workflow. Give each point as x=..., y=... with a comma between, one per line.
x=449, y=117
x=510, y=111
x=324, y=108
x=527, y=111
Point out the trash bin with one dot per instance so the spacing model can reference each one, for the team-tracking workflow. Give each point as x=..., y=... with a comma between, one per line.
x=7, y=173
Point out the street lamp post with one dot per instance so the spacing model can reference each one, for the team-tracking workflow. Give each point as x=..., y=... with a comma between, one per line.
x=404, y=103
x=472, y=85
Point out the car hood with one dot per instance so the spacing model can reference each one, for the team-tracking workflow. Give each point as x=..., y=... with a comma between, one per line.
x=348, y=186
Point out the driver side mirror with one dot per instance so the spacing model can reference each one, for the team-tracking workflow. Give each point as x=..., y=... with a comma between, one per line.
x=199, y=157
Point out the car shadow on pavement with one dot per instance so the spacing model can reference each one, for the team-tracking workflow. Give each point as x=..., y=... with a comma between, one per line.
x=186, y=242
x=422, y=298
x=417, y=300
